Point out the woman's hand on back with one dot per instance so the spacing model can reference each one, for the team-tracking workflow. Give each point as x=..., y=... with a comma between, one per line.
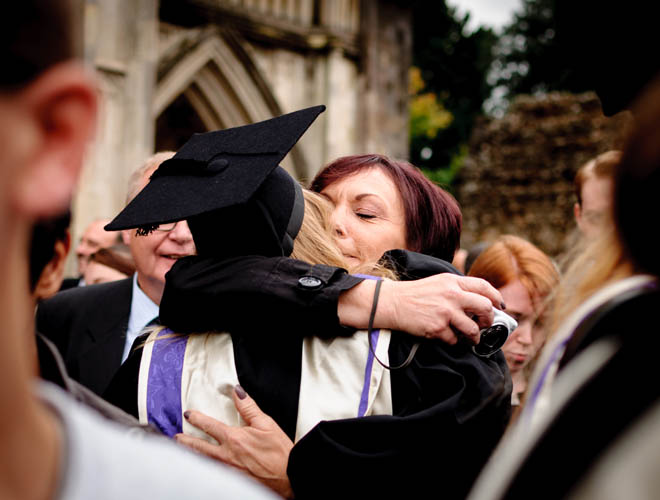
x=261, y=448
x=433, y=307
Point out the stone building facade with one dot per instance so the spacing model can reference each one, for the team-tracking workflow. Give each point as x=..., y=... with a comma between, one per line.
x=518, y=177
x=169, y=68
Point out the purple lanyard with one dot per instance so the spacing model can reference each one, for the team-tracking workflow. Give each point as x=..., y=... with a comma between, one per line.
x=364, y=398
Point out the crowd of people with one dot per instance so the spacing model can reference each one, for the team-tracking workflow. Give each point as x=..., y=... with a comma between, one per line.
x=308, y=342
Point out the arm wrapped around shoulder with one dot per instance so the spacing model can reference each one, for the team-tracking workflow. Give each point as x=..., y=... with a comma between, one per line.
x=204, y=294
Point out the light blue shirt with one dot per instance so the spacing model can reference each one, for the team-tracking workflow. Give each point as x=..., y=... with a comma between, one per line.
x=143, y=310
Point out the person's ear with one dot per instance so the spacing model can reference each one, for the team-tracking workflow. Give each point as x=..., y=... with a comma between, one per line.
x=51, y=277
x=126, y=236
x=62, y=106
x=577, y=212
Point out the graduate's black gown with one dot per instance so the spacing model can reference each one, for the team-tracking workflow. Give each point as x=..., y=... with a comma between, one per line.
x=450, y=408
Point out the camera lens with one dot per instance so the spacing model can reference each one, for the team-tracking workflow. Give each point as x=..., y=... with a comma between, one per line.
x=492, y=339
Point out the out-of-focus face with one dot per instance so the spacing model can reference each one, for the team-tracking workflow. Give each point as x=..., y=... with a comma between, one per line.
x=596, y=205
x=156, y=253
x=100, y=273
x=94, y=238
x=368, y=215
x=520, y=346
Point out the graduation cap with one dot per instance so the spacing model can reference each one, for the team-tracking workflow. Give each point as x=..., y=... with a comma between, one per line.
x=227, y=184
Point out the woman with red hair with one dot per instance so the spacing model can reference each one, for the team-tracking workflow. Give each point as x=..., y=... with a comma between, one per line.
x=383, y=204
x=525, y=276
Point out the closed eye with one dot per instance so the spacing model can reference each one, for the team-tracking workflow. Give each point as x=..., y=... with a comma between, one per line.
x=362, y=215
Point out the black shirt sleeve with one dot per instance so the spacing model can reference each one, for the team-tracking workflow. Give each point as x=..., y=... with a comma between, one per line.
x=204, y=294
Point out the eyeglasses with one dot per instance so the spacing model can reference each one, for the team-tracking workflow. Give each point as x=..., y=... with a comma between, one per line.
x=167, y=227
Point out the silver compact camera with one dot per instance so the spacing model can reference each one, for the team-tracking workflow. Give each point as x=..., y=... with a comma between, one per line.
x=494, y=337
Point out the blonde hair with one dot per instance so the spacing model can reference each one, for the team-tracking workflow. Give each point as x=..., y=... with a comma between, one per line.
x=588, y=266
x=314, y=243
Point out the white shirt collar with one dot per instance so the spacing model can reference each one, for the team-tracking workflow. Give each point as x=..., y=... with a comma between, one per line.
x=143, y=310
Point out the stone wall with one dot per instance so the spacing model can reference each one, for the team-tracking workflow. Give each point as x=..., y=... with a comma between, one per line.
x=518, y=177
x=170, y=68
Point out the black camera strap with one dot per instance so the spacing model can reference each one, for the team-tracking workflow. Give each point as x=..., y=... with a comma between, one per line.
x=374, y=306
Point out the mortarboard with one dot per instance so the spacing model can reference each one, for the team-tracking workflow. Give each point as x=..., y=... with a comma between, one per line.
x=225, y=171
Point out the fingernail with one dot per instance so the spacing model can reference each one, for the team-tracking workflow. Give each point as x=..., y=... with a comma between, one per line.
x=186, y=414
x=502, y=305
x=240, y=392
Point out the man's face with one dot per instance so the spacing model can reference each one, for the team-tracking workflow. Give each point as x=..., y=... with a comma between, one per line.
x=156, y=253
x=596, y=205
x=93, y=239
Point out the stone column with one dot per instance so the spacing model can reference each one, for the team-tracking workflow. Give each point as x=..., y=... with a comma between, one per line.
x=121, y=45
x=387, y=54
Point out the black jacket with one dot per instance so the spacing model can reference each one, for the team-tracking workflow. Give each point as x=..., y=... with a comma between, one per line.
x=450, y=407
x=88, y=326
x=52, y=369
x=450, y=410
x=202, y=294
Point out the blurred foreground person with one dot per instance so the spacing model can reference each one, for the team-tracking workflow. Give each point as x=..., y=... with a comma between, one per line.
x=94, y=340
x=525, y=277
x=590, y=420
x=593, y=190
x=52, y=447
x=48, y=251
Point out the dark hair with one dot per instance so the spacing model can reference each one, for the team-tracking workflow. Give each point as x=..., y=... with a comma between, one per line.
x=34, y=35
x=42, y=247
x=433, y=217
x=637, y=182
x=474, y=252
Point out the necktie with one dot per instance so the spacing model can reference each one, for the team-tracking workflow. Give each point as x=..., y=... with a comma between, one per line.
x=153, y=322
x=139, y=340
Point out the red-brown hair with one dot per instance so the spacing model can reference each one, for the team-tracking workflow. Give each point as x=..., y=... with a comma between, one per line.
x=511, y=258
x=433, y=217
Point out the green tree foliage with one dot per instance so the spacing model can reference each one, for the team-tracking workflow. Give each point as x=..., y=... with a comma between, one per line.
x=445, y=176
x=453, y=65
x=532, y=55
x=427, y=115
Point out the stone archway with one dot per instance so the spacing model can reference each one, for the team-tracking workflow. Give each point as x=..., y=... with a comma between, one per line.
x=216, y=77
